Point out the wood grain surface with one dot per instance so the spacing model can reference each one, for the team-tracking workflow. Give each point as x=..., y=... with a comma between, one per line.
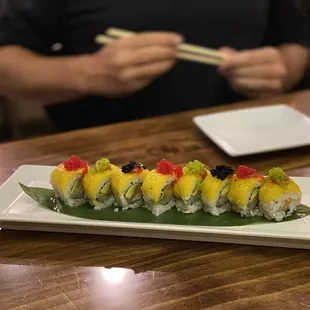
x=66, y=271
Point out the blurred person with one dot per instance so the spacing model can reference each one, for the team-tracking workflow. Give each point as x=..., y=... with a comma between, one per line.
x=86, y=85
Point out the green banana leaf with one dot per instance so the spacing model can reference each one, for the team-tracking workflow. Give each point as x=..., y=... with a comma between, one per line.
x=46, y=198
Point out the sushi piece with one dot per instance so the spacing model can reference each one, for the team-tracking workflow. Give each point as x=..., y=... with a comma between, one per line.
x=243, y=193
x=157, y=187
x=97, y=184
x=279, y=196
x=126, y=186
x=214, y=189
x=187, y=188
x=66, y=180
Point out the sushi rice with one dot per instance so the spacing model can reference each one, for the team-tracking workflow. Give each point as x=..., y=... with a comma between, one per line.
x=160, y=208
x=280, y=208
x=190, y=206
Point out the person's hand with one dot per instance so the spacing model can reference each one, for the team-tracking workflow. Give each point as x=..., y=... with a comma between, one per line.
x=128, y=65
x=255, y=73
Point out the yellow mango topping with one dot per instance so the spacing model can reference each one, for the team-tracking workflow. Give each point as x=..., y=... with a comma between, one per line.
x=187, y=186
x=94, y=179
x=240, y=189
x=210, y=188
x=61, y=178
x=271, y=190
x=120, y=181
x=154, y=183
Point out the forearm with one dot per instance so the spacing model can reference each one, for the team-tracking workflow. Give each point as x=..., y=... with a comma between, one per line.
x=34, y=78
x=296, y=58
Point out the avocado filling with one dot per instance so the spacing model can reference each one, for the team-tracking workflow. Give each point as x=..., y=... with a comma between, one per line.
x=105, y=192
x=195, y=195
x=223, y=197
x=254, y=199
x=166, y=195
x=134, y=193
x=77, y=191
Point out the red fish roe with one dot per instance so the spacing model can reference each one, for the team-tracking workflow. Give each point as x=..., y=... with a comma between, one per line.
x=165, y=167
x=178, y=172
x=137, y=170
x=75, y=163
x=245, y=172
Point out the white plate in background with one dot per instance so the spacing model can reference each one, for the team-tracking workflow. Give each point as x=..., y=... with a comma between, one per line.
x=256, y=130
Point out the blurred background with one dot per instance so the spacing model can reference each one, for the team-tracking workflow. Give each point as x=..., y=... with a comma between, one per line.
x=19, y=120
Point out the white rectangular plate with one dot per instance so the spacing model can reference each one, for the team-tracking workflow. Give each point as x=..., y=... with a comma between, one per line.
x=19, y=212
x=256, y=130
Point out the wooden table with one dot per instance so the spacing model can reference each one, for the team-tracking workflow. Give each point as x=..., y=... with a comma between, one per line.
x=63, y=271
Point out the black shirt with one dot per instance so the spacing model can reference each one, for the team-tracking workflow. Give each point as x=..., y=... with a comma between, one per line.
x=241, y=24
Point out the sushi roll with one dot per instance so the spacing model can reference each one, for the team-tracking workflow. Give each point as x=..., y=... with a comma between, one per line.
x=126, y=186
x=157, y=188
x=214, y=189
x=243, y=193
x=97, y=184
x=279, y=196
x=187, y=187
x=66, y=180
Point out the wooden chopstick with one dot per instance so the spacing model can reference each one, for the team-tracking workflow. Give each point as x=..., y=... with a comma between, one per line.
x=189, y=48
x=199, y=58
x=102, y=39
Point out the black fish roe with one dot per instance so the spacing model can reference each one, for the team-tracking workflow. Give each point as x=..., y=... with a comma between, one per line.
x=222, y=172
x=131, y=166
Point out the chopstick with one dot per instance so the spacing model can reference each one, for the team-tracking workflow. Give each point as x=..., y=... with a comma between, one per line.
x=189, y=48
x=186, y=51
x=102, y=39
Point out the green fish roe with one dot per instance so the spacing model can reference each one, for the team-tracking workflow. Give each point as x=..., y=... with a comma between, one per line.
x=194, y=168
x=278, y=176
x=102, y=164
